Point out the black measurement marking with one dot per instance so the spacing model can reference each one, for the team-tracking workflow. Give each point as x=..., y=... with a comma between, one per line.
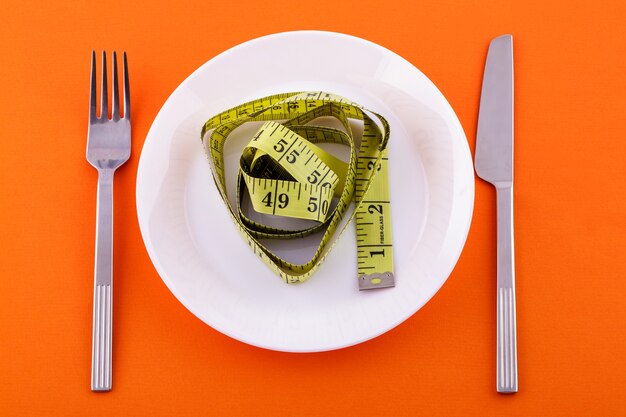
x=275, y=129
x=320, y=199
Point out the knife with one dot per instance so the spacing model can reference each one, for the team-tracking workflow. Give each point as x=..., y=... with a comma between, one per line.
x=494, y=164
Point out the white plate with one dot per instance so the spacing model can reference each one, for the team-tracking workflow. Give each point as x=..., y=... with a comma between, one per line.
x=210, y=269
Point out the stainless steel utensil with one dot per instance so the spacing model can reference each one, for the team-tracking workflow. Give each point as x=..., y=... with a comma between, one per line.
x=494, y=163
x=108, y=147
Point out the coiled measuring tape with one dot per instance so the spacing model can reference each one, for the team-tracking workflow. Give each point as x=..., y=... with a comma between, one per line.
x=285, y=173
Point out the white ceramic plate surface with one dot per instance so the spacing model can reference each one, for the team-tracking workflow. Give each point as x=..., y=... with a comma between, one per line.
x=206, y=264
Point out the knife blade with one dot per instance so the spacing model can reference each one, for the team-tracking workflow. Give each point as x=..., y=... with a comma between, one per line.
x=494, y=164
x=494, y=139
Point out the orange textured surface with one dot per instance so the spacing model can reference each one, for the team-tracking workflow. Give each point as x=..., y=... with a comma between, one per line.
x=570, y=220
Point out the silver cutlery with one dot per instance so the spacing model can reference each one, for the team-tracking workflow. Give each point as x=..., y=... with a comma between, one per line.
x=494, y=164
x=108, y=147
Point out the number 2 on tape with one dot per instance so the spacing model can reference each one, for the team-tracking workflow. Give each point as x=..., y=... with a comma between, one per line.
x=284, y=172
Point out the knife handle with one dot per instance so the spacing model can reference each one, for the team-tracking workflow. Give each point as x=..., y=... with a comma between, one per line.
x=506, y=335
x=101, y=355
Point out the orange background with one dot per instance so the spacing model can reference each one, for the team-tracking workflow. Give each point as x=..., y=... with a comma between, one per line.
x=570, y=207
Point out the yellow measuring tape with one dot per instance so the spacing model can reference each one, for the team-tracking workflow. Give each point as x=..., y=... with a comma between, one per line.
x=284, y=172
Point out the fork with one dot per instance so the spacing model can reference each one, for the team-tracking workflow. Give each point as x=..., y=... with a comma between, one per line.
x=108, y=147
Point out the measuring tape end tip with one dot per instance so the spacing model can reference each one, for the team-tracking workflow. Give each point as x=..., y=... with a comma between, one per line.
x=376, y=280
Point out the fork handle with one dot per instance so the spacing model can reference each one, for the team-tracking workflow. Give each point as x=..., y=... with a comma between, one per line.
x=506, y=322
x=103, y=285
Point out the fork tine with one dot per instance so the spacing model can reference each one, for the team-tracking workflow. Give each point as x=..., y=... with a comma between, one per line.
x=104, y=102
x=126, y=90
x=92, y=90
x=115, y=106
